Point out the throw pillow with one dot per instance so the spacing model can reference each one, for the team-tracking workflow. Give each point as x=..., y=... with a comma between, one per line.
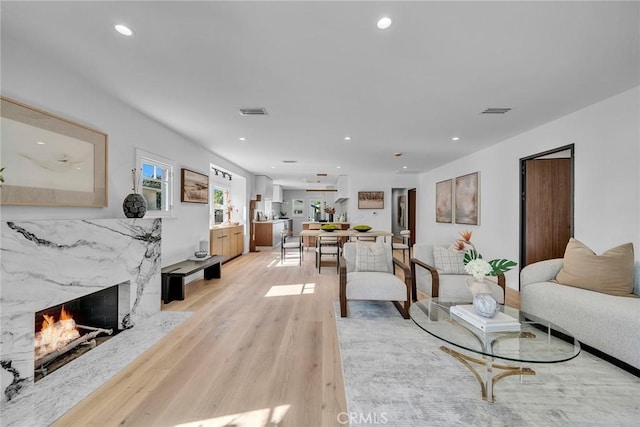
x=609, y=273
x=371, y=256
x=448, y=261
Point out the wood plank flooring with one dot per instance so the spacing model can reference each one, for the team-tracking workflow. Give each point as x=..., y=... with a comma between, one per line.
x=243, y=358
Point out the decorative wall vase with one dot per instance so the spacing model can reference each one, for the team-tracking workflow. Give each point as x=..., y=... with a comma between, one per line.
x=134, y=206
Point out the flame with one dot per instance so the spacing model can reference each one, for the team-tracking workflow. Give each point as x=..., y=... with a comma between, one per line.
x=55, y=335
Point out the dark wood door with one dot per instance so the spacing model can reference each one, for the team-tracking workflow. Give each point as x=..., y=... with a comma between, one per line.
x=411, y=210
x=548, y=200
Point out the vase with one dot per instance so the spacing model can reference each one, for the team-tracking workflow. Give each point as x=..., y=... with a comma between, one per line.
x=483, y=302
x=134, y=206
x=330, y=217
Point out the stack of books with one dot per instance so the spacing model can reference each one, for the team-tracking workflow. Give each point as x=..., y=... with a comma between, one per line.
x=499, y=323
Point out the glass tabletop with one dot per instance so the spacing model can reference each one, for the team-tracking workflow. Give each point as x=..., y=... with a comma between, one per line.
x=538, y=341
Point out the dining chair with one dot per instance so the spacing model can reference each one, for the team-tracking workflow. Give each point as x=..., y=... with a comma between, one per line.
x=292, y=243
x=327, y=245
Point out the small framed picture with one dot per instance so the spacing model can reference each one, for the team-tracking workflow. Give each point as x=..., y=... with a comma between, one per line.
x=195, y=187
x=370, y=199
x=444, y=201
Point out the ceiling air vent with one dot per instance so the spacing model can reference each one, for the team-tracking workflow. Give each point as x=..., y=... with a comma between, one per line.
x=289, y=161
x=496, y=110
x=253, y=111
x=321, y=174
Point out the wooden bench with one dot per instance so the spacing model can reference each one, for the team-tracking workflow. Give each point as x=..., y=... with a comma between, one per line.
x=173, y=276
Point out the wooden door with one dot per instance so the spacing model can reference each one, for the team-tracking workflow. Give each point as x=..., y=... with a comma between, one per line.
x=411, y=210
x=548, y=208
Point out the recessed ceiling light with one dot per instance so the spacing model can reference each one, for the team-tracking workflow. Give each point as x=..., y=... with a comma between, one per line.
x=347, y=138
x=404, y=167
x=124, y=30
x=337, y=167
x=455, y=138
x=242, y=138
x=273, y=167
x=384, y=22
x=40, y=143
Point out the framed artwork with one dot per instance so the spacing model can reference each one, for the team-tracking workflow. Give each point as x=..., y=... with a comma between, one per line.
x=195, y=187
x=297, y=206
x=444, y=201
x=49, y=160
x=467, y=207
x=370, y=199
x=402, y=204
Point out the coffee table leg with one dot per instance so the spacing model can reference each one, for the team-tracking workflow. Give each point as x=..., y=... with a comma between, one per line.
x=489, y=380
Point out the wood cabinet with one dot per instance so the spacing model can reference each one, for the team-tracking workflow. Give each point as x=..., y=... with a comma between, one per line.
x=227, y=241
x=268, y=232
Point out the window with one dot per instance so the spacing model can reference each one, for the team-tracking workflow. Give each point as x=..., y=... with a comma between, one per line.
x=217, y=195
x=156, y=183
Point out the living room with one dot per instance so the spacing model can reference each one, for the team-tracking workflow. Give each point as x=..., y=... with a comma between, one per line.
x=603, y=127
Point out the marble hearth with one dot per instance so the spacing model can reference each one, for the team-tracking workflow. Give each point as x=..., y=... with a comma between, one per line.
x=45, y=263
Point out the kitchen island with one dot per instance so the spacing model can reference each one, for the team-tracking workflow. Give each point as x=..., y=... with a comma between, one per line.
x=267, y=233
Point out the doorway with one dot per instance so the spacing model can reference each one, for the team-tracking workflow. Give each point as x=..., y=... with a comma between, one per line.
x=403, y=212
x=546, y=212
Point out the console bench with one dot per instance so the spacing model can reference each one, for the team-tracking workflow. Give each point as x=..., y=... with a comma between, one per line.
x=174, y=275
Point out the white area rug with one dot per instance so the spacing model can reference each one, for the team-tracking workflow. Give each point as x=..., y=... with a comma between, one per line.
x=88, y=372
x=396, y=375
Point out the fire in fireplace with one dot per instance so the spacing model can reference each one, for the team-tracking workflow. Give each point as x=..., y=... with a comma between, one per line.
x=66, y=331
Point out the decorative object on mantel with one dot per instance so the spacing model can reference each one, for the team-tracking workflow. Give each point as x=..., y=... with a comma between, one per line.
x=135, y=204
x=66, y=165
x=475, y=265
x=330, y=211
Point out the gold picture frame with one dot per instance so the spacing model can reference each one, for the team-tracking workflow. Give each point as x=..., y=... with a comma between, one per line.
x=50, y=160
x=195, y=187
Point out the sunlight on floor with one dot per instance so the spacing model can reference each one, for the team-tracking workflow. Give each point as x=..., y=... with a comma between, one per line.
x=285, y=290
x=288, y=262
x=259, y=417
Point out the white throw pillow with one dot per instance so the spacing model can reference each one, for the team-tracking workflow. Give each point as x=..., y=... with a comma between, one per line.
x=448, y=261
x=371, y=256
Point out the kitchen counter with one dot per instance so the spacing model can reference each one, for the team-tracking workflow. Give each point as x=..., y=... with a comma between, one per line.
x=271, y=221
x=267, y=233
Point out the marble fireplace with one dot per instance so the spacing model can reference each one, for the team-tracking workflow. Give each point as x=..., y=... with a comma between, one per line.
x=46, y=263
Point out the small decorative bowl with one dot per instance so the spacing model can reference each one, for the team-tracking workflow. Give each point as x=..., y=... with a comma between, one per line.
x=362, y=228
x=329, y=227
x=200, y=254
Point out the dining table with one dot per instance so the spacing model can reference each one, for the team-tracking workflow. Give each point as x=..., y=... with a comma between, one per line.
x=349, y=233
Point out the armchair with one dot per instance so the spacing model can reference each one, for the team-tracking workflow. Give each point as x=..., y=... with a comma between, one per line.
x=449, y=283
x=367, y=273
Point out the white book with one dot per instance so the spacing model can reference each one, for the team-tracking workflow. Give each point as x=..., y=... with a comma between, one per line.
x=500, y=322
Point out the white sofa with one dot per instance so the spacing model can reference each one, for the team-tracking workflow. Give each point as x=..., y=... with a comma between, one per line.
x=610, y=324
x=432, y=281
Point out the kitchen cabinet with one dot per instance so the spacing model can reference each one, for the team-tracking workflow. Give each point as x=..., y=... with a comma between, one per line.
x=264, y=187
x=277, y=193
x=344, y=188
x=227, y=241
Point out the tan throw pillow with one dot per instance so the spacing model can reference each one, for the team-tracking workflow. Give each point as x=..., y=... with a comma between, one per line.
x=609, y=273
x=448, y=261
x=371, y=256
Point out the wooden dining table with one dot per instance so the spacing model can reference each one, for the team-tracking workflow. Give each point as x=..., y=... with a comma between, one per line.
x=349, y=233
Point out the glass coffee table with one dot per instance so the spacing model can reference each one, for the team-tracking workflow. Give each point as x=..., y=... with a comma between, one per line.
x=538, y=341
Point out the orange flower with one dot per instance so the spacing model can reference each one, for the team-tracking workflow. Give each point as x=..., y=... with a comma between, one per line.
x=466, y=235
x=459, y=246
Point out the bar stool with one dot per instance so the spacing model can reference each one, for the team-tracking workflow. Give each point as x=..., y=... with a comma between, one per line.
x=405, y=245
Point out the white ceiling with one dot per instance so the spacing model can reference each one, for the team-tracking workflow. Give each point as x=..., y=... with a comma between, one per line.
x=324, y=71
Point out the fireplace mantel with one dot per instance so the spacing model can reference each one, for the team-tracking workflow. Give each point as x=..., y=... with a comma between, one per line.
x=44, y=263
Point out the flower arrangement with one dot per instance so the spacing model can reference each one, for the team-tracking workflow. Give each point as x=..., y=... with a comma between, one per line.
x=330, y=210
x=474, y=264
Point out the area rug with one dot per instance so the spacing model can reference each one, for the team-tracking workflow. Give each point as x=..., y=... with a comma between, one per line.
x=396, y=375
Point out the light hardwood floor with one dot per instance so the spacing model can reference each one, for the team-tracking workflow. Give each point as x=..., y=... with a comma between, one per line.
x=243, y=358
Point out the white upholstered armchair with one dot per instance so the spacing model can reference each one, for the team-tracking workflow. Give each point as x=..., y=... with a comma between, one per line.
x=439, y=272
x=367, y=273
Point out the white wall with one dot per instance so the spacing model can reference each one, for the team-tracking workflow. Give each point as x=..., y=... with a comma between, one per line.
x=607, y=182
x=37, y=80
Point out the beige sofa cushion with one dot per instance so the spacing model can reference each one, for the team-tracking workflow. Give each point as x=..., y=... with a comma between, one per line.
x=448, y=261
x=609, y=273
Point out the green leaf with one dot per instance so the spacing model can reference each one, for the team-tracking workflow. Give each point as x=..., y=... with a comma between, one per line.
x=470, y=255
x=501, y=266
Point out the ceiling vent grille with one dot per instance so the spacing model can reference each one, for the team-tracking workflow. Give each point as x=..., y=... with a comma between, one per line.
x=496, y=110
x=321, y=174
x=253, y=111
x=289, y=161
